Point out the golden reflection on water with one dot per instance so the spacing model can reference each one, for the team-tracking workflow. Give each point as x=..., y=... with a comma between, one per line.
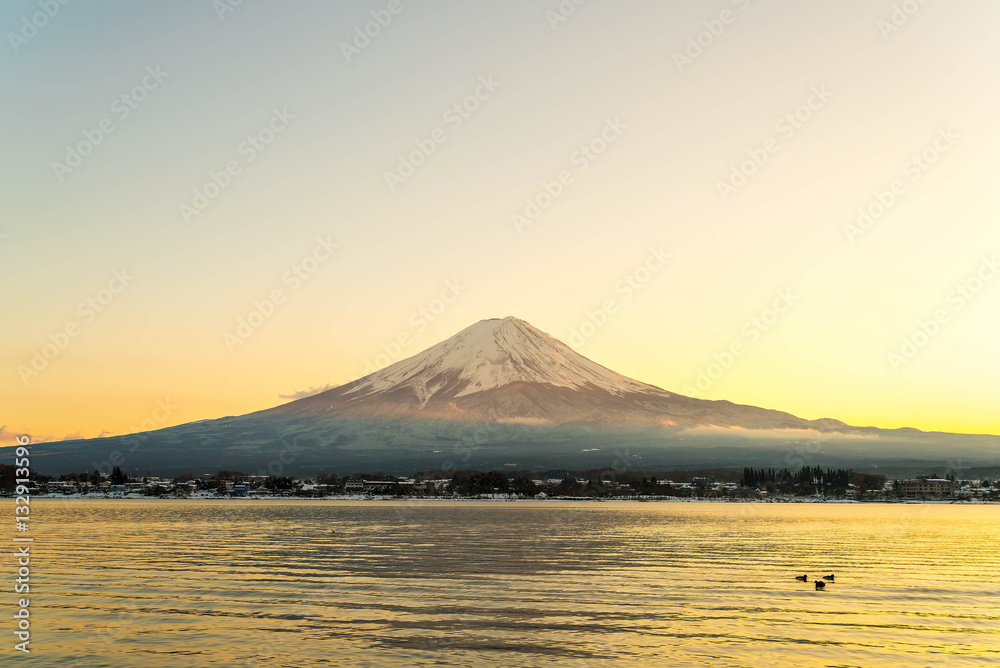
x=375, y=583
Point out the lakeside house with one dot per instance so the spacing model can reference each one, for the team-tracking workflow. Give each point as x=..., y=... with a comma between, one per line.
x=927, y=488
x=378, y=486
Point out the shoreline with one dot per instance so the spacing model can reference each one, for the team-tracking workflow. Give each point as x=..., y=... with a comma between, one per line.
x=441, y=499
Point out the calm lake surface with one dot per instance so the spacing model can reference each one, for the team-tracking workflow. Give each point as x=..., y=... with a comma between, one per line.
x=376, y=583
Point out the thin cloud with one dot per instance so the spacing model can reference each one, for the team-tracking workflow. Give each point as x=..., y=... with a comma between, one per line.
x=76, y=435
x=8, y=436
x=302, y=394
x=782, y=434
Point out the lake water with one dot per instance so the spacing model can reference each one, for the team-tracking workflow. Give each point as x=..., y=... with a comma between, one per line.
x=377, y=583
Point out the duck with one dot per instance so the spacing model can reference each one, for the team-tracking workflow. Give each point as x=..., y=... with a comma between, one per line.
x=820, y=585
x=828, y=577
x=803, y=578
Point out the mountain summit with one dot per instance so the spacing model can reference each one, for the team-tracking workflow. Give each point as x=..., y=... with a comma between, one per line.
x=491, y=354
x=506, y=370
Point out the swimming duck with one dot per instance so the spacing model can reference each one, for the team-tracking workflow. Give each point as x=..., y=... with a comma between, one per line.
x=803, y=578
x=820, y=585
x=828, y=577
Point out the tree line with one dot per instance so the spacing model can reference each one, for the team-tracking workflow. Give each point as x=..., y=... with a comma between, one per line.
x=810, y=480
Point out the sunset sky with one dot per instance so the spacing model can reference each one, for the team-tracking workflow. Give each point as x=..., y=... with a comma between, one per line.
x=744, y=158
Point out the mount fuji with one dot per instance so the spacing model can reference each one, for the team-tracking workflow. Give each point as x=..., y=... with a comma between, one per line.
x=502, y=393
x=505, y=370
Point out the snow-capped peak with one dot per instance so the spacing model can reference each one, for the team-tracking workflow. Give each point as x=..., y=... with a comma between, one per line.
x=491, y=354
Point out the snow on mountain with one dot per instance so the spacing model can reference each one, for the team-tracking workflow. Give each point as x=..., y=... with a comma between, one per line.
x=491, y=354
x=505, y=370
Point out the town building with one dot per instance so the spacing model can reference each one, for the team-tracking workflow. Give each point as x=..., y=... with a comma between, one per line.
x=927, y=488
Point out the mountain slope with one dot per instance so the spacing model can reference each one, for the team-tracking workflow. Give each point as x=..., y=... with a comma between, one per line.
x=508, y=371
